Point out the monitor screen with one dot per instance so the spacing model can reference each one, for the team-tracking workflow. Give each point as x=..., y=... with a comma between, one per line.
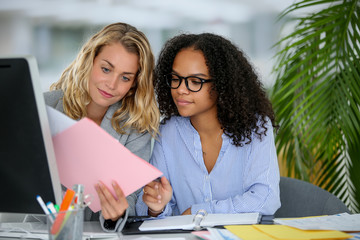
x=27, y=159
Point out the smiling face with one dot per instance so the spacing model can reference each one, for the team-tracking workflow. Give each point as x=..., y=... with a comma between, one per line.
x=190, y=62
x=113, y=74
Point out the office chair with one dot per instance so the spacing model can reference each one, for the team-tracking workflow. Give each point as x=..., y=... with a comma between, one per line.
x=301, y=199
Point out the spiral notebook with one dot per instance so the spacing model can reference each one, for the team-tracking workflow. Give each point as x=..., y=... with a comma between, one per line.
x=199, y=221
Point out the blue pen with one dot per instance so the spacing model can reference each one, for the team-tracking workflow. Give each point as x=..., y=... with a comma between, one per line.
x=52, y=209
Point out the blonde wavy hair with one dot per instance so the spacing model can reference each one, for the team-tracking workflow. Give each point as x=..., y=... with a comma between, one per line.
x=138, y=109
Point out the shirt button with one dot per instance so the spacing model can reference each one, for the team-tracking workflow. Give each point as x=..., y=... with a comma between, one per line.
x=207, y=177
x=206, y=199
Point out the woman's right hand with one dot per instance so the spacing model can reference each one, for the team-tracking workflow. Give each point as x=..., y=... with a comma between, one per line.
x=111, y=207
x=156, y=195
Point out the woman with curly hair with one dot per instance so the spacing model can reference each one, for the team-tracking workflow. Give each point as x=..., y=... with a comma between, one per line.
x=111, y=83
x=216, y=146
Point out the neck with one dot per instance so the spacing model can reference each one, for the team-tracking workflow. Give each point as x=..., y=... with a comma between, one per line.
x=95, y=113
x=208, y=125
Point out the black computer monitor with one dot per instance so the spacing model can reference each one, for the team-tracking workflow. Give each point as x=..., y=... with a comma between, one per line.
x=27, y=160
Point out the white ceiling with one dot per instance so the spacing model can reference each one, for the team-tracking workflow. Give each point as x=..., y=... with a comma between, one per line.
x=142, y=13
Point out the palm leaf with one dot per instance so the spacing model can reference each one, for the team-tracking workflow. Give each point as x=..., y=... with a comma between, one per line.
x=316, y=97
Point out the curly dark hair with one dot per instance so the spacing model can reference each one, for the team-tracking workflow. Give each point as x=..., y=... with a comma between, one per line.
x=242, y=103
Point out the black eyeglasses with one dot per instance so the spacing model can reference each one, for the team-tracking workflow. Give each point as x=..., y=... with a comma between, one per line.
x=192, y=83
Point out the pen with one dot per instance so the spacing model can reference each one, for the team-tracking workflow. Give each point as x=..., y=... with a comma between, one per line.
x=65, y=204
x=42, y=205
x=52, y=209
x=57, y=208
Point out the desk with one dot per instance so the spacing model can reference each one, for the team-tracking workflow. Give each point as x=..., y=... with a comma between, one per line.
x=93, y=230
x=186, y=236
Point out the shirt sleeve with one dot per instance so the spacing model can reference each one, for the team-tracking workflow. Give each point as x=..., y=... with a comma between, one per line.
x=261, y=182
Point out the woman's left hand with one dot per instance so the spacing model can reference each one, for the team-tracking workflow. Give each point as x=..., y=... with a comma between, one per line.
x=111, y=207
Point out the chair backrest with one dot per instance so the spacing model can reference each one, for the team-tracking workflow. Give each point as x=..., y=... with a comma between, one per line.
x=301, y=199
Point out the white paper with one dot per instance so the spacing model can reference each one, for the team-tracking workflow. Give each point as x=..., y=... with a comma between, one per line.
x=340, y=222
x=184, y=222
x=230, y=219
x=58, y=121
x=221, y=234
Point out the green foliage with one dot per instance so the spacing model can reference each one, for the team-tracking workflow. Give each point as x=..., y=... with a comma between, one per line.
x=316, y=97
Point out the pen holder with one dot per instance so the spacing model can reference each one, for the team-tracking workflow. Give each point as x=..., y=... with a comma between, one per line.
x=66, y=225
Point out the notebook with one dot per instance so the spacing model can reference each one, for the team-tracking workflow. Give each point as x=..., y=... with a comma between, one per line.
x=199, y=221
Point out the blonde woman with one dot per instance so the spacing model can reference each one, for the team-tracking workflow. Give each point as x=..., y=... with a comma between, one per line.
x=111, y=83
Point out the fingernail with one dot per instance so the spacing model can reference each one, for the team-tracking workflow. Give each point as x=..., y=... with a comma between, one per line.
x=156, y=186
x=159, y=197
x=113, y=183
x=159, y=201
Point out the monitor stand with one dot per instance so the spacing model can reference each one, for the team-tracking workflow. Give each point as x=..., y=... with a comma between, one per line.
x=21, y=217
x=12, y=217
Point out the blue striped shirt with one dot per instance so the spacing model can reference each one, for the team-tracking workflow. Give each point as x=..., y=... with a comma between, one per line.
x=244, y=179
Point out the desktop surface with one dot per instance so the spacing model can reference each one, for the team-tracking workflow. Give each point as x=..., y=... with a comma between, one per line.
x=92, y=230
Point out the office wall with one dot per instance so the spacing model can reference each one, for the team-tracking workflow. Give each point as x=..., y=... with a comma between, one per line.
x=55, y=42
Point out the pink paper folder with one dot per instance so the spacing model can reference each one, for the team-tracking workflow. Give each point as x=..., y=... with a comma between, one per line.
x=87, y=154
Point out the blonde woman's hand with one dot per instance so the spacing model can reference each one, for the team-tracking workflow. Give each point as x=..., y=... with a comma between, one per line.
x=111, y=207
x=156, y=195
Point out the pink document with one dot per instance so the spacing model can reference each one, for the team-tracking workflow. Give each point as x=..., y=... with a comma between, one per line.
x=202, y=234
x=87, y=154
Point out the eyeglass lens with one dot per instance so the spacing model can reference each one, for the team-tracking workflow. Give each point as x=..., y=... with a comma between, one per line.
x=192, y=83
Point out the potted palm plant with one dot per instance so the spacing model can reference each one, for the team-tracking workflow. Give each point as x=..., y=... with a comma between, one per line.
x=316, y=97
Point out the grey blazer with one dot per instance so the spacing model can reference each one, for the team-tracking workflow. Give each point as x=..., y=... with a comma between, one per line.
x=137, y=143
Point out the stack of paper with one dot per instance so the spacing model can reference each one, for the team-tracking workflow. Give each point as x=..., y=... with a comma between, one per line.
x=323, y=227
x=341, y=222
x=281, y=232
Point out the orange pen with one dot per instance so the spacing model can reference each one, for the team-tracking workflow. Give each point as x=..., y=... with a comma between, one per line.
x=65, y=204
